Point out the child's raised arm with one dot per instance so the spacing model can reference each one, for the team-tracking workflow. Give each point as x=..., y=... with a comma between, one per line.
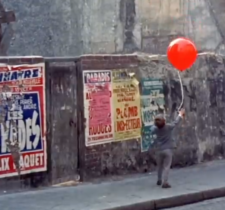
x=178, y=119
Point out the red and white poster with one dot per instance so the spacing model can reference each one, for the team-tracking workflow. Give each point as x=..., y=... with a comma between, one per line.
x=23, y=102
x=98, y=107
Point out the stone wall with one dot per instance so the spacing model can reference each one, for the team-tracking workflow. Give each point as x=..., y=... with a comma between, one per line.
x=200, y=136
x=45, y=27
x=75, y=27
x=111, y=158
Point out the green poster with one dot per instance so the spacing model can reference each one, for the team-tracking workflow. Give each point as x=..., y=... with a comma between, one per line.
x=152, y=103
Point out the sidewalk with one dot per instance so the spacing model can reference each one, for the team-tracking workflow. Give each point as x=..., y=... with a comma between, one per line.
x=129, y=191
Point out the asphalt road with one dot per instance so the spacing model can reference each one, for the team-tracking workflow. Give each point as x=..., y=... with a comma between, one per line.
x=216, y=204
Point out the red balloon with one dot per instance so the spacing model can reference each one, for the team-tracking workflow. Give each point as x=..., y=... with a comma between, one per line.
x=182, y=53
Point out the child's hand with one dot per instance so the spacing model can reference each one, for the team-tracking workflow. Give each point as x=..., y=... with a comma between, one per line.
x=182, y=112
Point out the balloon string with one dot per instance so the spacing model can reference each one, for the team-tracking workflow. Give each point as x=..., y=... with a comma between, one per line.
x=182, y=92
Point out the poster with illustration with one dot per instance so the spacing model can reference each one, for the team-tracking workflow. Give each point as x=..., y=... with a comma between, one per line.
x=98, y=107
x=23, y=120
x=152, y=103
x=126, y=106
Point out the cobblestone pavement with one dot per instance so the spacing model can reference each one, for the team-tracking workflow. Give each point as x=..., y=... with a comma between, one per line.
x=216, y=204
x=127, y=191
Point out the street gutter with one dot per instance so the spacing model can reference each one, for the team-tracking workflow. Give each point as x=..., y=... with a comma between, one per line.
x=175, y=201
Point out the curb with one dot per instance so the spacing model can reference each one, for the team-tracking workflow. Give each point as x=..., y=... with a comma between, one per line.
x=175, y=201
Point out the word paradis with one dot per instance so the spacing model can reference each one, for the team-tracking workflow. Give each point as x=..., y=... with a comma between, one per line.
x=129, y=119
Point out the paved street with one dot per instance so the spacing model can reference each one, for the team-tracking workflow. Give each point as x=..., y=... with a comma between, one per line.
x=111, y=194
x=217, y=204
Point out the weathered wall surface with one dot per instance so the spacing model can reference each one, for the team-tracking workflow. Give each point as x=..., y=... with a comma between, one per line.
x=74, y=27
x=162, y=20
x=149, y=25
x=61, y=119
x=200, y=136
x=46, y=28
x=202, y=132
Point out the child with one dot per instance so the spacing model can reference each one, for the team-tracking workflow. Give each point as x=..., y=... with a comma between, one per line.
x=164, y=146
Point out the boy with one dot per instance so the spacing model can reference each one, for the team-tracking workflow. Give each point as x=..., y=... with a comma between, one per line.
x=164, y=146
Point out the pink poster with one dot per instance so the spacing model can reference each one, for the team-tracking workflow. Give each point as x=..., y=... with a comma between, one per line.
x=98, y=107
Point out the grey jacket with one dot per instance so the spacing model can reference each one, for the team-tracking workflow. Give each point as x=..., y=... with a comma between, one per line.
x=164, y=136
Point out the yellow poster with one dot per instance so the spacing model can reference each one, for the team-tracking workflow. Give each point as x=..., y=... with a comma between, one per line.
x=126, y=106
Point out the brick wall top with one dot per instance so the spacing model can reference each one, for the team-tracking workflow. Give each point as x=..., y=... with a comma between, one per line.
x=108, y=61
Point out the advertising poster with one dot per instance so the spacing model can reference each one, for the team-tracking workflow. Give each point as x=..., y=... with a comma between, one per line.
x=98, y=107
x=24, y=122
x=126, y=107
x=152, y=103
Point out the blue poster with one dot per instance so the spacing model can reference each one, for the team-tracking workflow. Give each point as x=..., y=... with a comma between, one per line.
x=152, y=103
x=22, y=121
x=26, y=114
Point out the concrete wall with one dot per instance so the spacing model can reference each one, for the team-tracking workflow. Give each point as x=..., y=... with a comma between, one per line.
x=200, y=137
x=45, y=27
x=74, y=27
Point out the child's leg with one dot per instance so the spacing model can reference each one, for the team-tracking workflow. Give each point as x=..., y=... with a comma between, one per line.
x=160, y=160
x=168, y=154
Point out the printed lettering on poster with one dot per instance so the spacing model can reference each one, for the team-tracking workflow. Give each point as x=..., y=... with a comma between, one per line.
x=28, y=114
x=152, y=103
x=98, y=107
x=126, y=106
